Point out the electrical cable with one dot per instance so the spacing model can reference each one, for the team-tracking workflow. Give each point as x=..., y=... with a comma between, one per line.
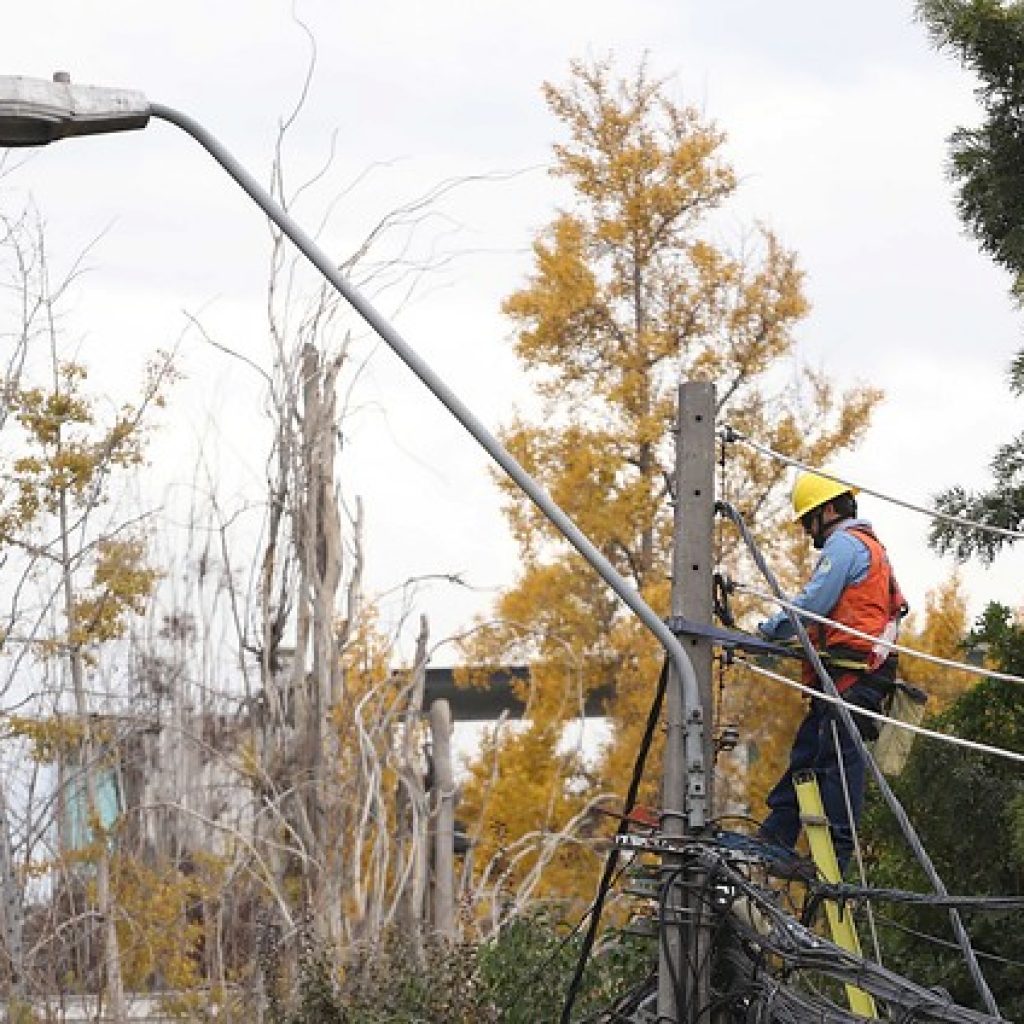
x=695, y=967
x=613, y=854
x=888, y=922
x=843, y=892
x=625, y=1006
x=856, y=709
x=895, y=807
x=935, y=659
x=720, y=591
x=705, y=897
x=569, y=936
x=730, y=434
x=763, y=926
x=745, y=818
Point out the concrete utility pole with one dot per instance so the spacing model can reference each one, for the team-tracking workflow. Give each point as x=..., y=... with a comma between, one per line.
x=684, y=966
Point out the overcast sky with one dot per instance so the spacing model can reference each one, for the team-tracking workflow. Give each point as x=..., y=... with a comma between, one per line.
x=836, y=120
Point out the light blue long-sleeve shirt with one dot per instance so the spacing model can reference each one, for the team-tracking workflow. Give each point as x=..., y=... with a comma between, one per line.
x=844, y=560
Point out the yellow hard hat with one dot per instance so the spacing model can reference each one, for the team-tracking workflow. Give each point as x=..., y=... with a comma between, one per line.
x=812, y=490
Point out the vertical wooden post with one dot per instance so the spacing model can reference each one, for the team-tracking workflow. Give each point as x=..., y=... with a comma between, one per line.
x=444, y=827
x=412, y=806
x=684, y=967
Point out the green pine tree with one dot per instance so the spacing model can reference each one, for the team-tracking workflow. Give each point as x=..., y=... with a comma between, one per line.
x=987, y=165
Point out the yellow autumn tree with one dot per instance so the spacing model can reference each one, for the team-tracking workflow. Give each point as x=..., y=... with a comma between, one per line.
x=62, y=454
x=632, y=291
x=942, y=630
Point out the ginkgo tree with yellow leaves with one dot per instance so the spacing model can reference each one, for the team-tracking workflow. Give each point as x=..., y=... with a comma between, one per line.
x=90, y=575
x=940, y=629
x=632, y=290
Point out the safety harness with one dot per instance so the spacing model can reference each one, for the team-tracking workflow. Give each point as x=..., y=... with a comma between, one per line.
x=874, y=605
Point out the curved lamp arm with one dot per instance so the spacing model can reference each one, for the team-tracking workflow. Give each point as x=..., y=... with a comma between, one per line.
x=34, y=112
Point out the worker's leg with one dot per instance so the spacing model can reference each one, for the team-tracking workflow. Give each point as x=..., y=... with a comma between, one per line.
x=783, y=822
x=837, y=787
x=842, y=791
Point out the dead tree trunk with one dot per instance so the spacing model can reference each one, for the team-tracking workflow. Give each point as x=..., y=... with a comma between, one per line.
x=323, y=571
x=411, y=806
x=301, y=581
x=443, y=808
x=90, y=756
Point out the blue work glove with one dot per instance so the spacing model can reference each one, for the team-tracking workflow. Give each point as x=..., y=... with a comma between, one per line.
x=765, y=630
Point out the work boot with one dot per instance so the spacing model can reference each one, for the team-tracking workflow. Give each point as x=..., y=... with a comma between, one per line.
x=784, y=862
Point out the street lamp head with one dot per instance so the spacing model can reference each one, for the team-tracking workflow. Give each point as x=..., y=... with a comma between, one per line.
x=34, y=112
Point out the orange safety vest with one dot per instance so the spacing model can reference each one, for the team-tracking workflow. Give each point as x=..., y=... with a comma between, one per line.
x=868, y=605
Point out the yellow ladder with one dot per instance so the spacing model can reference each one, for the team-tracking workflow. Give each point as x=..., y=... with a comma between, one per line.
x=823, y=853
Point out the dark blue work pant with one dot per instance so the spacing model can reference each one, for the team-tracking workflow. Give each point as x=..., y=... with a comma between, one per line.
x=814, y=750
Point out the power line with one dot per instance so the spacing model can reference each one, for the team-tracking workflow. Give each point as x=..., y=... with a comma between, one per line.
x=957, y=741
x=845, y=893
x=888, y=922
x=913, y=652
x=730, y=434
x=799, y=948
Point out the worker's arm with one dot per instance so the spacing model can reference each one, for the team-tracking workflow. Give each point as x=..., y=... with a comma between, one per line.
x=844, y=560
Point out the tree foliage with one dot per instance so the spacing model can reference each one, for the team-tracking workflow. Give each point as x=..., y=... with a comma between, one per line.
x=259, y=762
x=969, y=810
x=941, y=631
x=988, y=38
x=92, y=572
x=632, y=290
x=519, y=976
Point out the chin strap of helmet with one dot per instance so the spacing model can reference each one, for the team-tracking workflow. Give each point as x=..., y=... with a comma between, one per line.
x=816, y=526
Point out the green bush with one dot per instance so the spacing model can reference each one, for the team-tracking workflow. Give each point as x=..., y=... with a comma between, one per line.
x=526, y=971
x=520, y=977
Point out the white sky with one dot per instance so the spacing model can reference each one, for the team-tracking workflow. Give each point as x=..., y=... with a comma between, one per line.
x=836, y=118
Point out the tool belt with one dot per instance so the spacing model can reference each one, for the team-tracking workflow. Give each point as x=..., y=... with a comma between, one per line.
x=849, y=666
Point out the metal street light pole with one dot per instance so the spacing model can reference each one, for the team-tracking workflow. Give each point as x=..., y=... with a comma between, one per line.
x=568, y=529
x=35, y=112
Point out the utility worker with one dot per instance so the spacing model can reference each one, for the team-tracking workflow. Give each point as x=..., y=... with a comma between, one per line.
x=853, y=585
